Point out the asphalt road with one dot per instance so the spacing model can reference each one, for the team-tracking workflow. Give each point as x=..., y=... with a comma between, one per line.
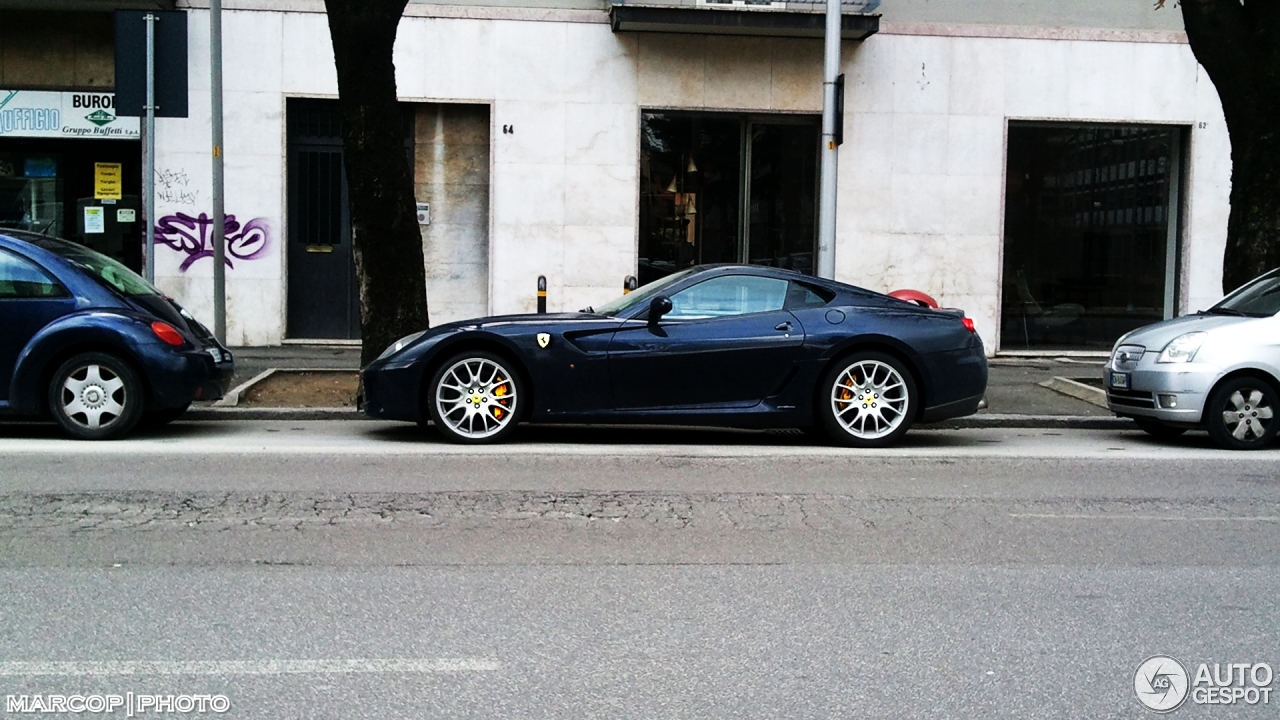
x=364, y=570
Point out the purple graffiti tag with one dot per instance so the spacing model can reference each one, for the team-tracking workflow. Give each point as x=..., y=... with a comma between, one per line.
x=194, y=236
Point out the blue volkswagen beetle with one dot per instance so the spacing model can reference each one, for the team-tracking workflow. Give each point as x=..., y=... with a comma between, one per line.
x=88, y=342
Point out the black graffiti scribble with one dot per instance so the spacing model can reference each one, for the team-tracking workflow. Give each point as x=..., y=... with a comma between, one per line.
x=194, y=236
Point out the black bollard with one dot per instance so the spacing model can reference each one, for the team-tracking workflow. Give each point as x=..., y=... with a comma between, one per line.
x=542, y=294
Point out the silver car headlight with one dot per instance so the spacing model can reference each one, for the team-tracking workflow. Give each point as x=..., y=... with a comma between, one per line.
x=1182, y=348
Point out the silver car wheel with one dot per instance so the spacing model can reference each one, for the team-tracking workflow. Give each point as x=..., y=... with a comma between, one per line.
x=870, y=399
x=1248, y=416
x=476, y=398
x=92, y=393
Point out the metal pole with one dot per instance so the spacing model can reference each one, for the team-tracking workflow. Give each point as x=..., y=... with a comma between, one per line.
x=149, y=154
x=219, y=207
x=827, y=195
x=542, y=294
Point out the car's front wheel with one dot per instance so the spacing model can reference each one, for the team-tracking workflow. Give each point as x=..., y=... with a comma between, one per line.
x=475, y=397
x=96, y=396
x=867, y=399
x=1240, y=414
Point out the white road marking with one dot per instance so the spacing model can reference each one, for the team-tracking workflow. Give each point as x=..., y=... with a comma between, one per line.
x=248, y=667
x=1242, y=518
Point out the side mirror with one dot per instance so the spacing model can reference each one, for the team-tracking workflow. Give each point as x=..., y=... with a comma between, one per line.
x=658, y=307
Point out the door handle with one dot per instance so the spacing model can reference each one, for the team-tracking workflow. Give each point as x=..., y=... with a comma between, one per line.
x=783, y=327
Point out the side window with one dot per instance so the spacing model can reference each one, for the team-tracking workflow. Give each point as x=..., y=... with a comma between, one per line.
x=801, y=295
x=21, y=278
x=729, y=295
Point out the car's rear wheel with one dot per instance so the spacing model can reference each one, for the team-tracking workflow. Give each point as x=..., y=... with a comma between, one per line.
x=1155, y=428
x=1240, y=414
x=96, y=396
x=475, y=398
x=867, y=399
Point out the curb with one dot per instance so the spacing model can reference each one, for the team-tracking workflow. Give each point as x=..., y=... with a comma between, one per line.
x=982, y=421
x=1003, y=420
x=1077, y=390
x=239, y=413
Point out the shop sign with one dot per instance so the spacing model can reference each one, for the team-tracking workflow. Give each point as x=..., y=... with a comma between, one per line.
x=37, y=113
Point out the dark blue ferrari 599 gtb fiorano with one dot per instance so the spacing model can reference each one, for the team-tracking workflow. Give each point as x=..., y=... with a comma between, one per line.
x=86, y=341
x=723, y=345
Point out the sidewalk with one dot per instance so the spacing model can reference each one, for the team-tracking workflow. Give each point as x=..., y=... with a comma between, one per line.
x=1015, y=394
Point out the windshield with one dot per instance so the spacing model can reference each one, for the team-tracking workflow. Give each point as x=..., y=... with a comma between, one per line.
x=1259, y=298
x=641, y=295
x=98, y=265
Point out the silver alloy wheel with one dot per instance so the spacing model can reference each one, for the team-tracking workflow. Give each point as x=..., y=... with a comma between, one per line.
x=869, y=399
x=92, y=392
x=476, y=398
x=1247, y=417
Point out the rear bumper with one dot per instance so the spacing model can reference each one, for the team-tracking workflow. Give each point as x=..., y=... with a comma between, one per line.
x=190, y=375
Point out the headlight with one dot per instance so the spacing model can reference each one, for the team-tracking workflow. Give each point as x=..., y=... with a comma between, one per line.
x=1182, y=348
x=400, y=344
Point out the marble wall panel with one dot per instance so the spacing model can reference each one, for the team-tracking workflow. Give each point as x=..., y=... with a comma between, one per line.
x=739, y=73
x=538, y=132
x=254, y=62
x=672, y=70
x=307, y=55
x=532, y=60
x=1101, y=83
x=977, y=77
x=600, y=195
x=600, y=66
x=599, y=133
x=921, y=74
x=797, y=75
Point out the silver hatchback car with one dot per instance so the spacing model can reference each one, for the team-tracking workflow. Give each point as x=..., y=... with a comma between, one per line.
x=1218, y=370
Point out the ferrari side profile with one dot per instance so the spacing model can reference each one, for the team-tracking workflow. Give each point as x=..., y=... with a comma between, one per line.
x=717, y=345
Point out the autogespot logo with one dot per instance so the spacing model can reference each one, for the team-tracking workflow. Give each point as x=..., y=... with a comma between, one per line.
x=1161, y=683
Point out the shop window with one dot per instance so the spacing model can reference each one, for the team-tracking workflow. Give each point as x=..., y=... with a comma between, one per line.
x=1090, y=245
x=723, y=188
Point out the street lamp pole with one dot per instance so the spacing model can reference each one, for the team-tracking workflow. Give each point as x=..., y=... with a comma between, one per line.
x=219, y=208
x=830, y=154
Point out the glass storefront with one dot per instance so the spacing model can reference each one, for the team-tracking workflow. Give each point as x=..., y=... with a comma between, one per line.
x=723, y=188
x=44, y=184
x=1090, y=243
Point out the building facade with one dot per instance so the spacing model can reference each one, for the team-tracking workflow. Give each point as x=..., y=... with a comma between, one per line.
x=1059, y=171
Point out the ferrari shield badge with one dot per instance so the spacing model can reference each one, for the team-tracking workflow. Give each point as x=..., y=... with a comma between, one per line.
x=544, y=339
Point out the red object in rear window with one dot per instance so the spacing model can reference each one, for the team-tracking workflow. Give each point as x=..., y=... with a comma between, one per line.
x=167, y=333
x=968, y=324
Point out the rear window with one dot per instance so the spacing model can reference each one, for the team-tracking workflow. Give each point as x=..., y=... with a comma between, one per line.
x=802, y=295
x=109, y=271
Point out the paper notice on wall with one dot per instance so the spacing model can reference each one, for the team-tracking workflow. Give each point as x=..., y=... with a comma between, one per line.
x=94, y=220
x=126, y=215
x=107, y=179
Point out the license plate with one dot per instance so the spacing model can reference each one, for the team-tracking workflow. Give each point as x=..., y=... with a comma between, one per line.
x=218, y=356
x=1120, y=380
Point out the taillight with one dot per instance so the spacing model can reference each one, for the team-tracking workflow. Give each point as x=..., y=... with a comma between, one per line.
x=167, y=333
x=968, y=324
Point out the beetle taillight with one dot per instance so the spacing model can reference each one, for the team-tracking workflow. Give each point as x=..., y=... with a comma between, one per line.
x=968, y=324
x=167, y=333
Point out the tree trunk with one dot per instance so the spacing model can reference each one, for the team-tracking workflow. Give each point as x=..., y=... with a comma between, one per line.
x=385, y=235
x=1239, y=46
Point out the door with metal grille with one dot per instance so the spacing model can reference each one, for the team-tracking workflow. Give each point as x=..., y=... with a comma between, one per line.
x=323, y=291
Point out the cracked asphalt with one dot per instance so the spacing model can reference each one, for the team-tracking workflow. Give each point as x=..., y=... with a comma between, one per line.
x=633, y=572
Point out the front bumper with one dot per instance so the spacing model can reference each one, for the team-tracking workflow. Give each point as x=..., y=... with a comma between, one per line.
x=1169, y=392
x=391, y=392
